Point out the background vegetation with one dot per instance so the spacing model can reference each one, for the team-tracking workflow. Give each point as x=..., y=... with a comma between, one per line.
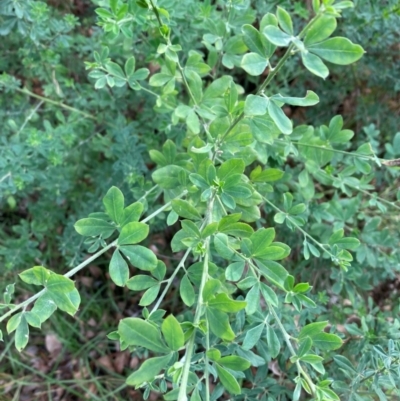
x=68, y=135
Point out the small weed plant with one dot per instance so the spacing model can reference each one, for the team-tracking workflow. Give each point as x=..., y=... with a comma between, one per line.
x=256, y=201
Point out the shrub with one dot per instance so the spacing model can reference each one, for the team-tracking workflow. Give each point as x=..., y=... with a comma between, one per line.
x=279, y=229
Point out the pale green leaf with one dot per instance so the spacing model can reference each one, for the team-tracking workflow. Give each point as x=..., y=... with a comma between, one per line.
x=173, y=333
x=254, y=64
x=140, y=256
x=135, y=331
x=148, y=370
x=132, y=233
x=228, y=380
x=118, y=269
x=337, y=50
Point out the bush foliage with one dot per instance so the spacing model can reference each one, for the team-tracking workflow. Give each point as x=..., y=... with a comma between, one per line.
x=232, y=165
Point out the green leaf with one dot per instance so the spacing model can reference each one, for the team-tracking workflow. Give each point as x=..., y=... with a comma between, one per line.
x=140, y=257
x=118, y=269
x=322, y=28
x=37, y=275
x=130, y=66
x=253, y=299
x=32, y=319
x=272, y=271
x=150, y=295
x=173, y=333
x=223, y=303
x=234, y=271
x=344, y=363
x=1, y=336
x=269, y=295
x=254, y=40
x=234, y=362
x=148, y=370
x=310, y=99
x=132, y=233
x=274, y=345
x=228, y=380
x=185, y=209
x=114, y=69
x=139, y=75
x=311, y=358
x=91, y=227
x=229, y=168
x=337, y=51
x=160, y=79
x=44, y=307
x=214, y=354
x=312, y=329
x=314, y=64
x=261, y=240
x=193, y=122
x=276, y=36
x=219, y=324
x=255, y=105
x=186, y=291
x=68, y=301
x=199, y=181
x=284, y=20
x=268, y=175
x=221, y=244
x=14, y=322
x=59, y=283
x=327, y=341
x=195, y=84
x=168, y=177
x=242, y=230
x=141, y=282
x=254, y=64
x=275, y=251
x=280, y=118
x=135, y=331
x=22, y=334
x=211, y=287
x=304, y=347
x=253, y=336
x=114, y=204
x=132, y=213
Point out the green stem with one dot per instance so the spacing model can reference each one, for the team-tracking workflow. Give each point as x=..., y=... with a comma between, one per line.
x=343, y=152
x=156, y=13
x=162, y=208
x=182, y=396
x=186, y=83
x=392, y=204
x=286, y=337
x=55, y=103
x=170, y=280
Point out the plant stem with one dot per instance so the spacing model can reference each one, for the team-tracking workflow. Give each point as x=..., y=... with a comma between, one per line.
x=343, y=152
x=54, y=102
x=162, y=208
x=182, y=396
x=171, y=279
x=286, y=337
